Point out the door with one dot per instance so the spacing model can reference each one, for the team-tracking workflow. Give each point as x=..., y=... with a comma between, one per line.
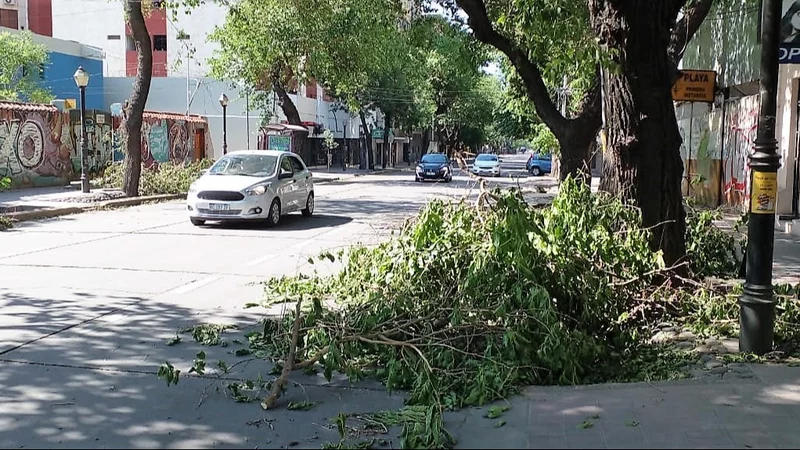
x=302, y=178
x=546, y=163
x=199, y=144
x=287, y=186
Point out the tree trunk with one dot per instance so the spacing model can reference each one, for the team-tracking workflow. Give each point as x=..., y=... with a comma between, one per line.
x=644, y=164
x=367, y=140
x=136, y=104
x=289, y=109
x=578, y=138
x=387, y=127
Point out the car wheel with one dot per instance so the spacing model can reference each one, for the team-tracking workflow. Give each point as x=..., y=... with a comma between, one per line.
x=448, y=179
x=309, y=209
x=274, y=215
x=197, y=222
x=535, y=171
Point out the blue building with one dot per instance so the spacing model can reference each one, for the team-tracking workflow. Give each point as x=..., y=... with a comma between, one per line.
x=65, y=58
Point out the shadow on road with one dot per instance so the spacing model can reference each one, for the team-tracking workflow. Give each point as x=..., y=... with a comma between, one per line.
x=292, y=222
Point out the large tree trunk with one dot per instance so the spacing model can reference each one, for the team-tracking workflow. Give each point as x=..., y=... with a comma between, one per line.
x=289, y=109
x=367, y=140
x=135, y=106
x=644, y=164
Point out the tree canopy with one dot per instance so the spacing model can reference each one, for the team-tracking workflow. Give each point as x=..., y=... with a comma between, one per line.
x=20, y=68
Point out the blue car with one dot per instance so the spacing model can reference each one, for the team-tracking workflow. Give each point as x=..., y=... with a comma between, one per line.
x=539, y=164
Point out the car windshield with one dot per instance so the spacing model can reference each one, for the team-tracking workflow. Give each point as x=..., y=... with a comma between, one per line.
x=247, y=165
x=486, y=158
x=434, y=158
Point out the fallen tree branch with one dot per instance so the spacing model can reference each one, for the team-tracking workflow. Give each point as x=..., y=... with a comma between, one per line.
x=277, y=386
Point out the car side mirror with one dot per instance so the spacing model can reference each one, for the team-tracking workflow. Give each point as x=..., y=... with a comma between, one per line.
x=284, y=174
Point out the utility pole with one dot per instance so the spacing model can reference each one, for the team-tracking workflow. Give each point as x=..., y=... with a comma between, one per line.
x=757, y=304
x=247, y=114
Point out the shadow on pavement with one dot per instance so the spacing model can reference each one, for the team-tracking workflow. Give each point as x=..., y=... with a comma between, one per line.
x=94, y=384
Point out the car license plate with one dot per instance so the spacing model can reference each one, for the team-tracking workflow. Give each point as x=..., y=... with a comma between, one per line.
x=430, y=172
x=218, y=206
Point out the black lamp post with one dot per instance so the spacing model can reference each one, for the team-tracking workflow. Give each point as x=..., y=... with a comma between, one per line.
x=223, y=101
x=757, y=305
x=82, y=80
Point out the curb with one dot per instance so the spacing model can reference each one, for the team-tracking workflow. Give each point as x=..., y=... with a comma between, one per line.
x=117, y=203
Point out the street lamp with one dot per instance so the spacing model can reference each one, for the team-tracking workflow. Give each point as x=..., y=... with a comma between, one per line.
x=757, y=304
x=82, y=80
x=223, y=101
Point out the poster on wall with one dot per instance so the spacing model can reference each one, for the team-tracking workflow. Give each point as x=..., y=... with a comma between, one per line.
x=278, y=142
x=789, y=52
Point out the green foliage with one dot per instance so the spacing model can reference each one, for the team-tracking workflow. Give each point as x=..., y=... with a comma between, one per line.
x=208, y=333
x=167, y=178
x=544, y=141
x=199, y=366
x=169, y=373
x=5, y=222
x=711, y=251
x=468, y=303
x=20, y=68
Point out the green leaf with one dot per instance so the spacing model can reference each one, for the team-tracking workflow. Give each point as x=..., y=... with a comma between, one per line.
x=496, y=411
x=301, y=406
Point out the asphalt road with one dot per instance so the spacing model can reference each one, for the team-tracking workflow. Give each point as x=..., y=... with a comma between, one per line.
x=89, y=301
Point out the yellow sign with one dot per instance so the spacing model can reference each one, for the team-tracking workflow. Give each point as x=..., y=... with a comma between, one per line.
x=764, y=193
x=695, y=86
x=70, y=103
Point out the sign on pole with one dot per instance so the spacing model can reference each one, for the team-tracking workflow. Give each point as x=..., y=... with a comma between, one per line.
x=789, y=50
x=695, y=86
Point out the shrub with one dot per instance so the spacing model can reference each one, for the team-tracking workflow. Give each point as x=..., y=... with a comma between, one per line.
x=166, y=178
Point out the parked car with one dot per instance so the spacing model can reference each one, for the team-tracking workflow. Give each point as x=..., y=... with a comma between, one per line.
x=260, y=185
x=486, y=164
x=539, y=164
x=434, y=166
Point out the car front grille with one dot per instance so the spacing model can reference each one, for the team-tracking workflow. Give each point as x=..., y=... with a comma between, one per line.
x=214, y=212
x=225, y=196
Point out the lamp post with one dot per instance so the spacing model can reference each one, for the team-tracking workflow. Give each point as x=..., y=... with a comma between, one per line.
x=82, y=80
x=756, y=304
x=223, y=101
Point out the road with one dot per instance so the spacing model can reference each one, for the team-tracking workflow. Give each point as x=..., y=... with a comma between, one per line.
x=89, y=301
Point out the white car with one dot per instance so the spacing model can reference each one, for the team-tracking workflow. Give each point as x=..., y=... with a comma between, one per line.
x=252, y=185
x=486, y=164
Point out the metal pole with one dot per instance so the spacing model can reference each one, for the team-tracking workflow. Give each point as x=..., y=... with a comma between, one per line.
x=84, y=150
x=188, y=89
x=224, y=130
x=247, y=115
x=757, y=305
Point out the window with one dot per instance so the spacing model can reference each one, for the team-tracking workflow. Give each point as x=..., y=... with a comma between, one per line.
x=113, y=37
x=286, y=164
x=160, y=43
x=9, y=18
x=298, y=165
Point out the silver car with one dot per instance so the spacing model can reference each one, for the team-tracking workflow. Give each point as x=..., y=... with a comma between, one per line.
x=486, y=164
x=252, y=185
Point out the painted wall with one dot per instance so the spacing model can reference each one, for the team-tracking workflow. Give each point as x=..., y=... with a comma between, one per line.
x=35, y=145
x=172, y=138
x=699, y=126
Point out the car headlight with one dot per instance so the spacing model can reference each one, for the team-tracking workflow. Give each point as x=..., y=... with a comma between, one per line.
x=257, y=190
x=419, y=169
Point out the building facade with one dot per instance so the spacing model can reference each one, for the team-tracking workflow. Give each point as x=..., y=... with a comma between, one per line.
x=35, y=16
x=64, y=59
x=719, y=136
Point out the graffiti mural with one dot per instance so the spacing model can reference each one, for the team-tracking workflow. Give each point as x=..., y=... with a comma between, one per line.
x=33, y=148
x=171, y=137
x=741, y=122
